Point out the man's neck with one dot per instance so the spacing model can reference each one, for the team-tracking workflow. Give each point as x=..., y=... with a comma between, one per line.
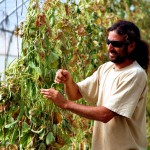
x=118, y=66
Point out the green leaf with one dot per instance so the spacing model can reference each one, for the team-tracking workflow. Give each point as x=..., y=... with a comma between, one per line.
x=26, y=139
x=1, y=135
x=2, y=120
x=37, y=69
x=52, y=21
x=15, y=135
x=54, y=128
x=50, y=138
x=42, y=146
x=53, y=57
x=25, y=127
x=21, y=112
x=66, y=125
x=148, y=148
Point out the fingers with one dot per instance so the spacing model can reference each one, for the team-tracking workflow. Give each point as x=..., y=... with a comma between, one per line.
x=48, y=93
x=55, y=96
x=61, y=76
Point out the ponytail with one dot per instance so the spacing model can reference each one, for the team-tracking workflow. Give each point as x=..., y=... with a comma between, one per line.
x=141, y=54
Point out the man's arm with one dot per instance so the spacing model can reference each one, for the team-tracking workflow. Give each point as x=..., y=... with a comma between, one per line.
x=72, y=91
x=98, y=113
x=70, y=87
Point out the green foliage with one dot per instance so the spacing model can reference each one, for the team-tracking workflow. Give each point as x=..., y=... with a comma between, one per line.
x=58, y=35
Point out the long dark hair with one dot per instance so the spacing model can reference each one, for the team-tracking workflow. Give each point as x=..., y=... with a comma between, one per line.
x=132, y=34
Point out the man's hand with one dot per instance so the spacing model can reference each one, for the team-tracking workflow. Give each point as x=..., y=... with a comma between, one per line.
x=62, y=76
x=55, y=96
x=70, y=87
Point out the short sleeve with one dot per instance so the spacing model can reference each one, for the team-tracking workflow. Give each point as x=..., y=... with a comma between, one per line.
x=89, y=88
x=128, y=93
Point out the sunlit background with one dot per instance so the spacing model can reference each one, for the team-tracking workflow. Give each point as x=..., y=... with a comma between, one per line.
x=12, y=13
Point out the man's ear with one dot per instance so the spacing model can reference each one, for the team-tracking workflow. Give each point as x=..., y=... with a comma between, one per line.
x=131, y=47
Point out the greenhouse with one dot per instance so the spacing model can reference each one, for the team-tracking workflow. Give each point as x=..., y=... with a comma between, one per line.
x=39, y=37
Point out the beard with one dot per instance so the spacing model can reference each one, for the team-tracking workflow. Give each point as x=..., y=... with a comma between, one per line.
x=116, y=57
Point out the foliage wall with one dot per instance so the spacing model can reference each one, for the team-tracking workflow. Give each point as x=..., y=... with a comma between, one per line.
x=58, y=35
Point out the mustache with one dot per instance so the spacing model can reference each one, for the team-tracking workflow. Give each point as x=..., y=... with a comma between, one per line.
x=113, y=51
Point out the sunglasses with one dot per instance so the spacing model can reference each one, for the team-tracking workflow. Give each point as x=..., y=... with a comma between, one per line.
x=116, y=43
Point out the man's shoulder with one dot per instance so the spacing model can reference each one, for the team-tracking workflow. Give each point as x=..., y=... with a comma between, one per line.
x=135, y=67
x=106, y=65
x=134, y=71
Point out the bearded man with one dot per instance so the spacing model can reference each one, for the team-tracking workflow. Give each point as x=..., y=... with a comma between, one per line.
x=117, y=92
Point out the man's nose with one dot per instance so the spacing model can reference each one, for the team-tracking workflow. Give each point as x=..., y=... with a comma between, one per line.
x=110, y=47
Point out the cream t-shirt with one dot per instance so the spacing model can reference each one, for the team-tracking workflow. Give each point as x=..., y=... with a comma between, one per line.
x=124, y=92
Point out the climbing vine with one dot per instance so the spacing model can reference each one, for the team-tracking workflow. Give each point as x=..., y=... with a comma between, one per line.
x=55, y=34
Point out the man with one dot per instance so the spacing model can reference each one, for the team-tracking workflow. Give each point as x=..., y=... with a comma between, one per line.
x=117, y=91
